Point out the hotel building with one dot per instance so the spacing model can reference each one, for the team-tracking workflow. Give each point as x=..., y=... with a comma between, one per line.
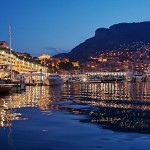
x=20, y=65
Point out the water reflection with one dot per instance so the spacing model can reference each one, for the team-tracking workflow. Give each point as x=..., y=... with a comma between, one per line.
x=117, y=106
x=36, y=96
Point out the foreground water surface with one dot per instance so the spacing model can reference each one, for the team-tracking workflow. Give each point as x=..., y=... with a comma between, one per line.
x=76, y=116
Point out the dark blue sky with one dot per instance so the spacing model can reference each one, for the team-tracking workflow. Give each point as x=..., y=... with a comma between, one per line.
x=54, y=26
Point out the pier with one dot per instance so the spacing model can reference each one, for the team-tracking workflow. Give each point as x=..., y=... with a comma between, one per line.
x=95, y=77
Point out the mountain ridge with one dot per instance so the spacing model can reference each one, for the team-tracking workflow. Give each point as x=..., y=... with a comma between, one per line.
x=110, y=38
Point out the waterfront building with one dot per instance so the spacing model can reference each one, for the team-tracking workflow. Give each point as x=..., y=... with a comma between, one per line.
x=53, y=64
x=44, y=57
x=4, y=44
x=19, y=65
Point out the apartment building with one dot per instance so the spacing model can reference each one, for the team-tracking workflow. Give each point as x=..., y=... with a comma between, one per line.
x=19, y=64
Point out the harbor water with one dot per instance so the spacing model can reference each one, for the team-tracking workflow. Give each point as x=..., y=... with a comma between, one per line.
x=76, y=116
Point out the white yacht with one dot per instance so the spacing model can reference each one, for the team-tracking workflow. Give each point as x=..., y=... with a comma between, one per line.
x=134, y=77
x=138, y=77
x=54, y=79
x=147, y=74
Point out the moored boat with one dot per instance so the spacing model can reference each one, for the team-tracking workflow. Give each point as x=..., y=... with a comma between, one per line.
x=54, y=79
x=147, y=74
x=134, y=77
x=4, y=88
x=138, y=77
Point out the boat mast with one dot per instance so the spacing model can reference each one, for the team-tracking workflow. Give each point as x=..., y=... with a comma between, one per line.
x=10, y=51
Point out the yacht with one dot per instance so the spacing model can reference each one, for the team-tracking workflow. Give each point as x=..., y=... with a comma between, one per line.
x=134, y=77
x=138, y=77
x=147, y=74
x=4, y=87
x=54, y=79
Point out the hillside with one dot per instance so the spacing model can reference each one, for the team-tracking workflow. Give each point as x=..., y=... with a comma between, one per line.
x=111, y=38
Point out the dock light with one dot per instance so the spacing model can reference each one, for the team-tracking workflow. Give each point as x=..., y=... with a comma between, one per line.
x=84, y=79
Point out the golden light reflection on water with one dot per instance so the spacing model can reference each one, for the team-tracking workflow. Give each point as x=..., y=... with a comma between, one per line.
x=120, y=105
x=36, y=96
x=121, y=91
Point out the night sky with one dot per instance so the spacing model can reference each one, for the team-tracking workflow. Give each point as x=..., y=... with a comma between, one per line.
x=55, y=26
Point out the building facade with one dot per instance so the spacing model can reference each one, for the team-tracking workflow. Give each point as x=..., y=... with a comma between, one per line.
x=19, y=64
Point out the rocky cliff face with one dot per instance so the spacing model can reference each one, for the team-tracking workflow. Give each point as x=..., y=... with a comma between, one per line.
x=110, y=38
